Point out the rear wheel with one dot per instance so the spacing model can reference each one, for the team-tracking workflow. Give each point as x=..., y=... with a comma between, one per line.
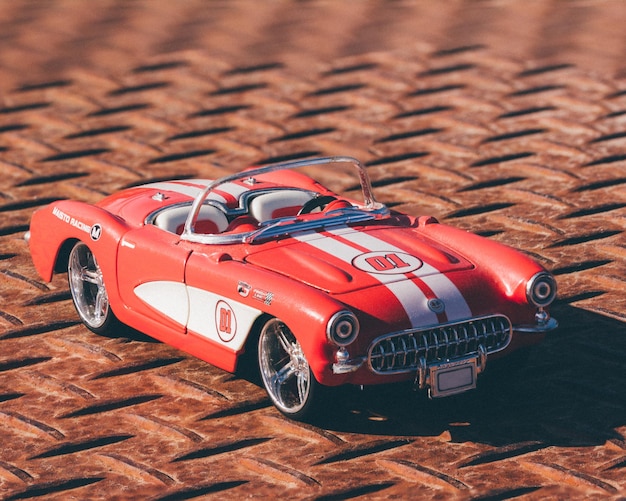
x=88, y=291
x=285, y=372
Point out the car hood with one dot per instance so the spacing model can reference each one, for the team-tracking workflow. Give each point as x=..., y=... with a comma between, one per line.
x=350, y=259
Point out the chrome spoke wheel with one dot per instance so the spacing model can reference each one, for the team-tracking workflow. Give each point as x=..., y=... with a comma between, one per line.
x=284, y=369
x=87, y=287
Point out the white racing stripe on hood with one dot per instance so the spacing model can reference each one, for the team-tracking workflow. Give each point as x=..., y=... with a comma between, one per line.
x=456, y=306
x=405, y=291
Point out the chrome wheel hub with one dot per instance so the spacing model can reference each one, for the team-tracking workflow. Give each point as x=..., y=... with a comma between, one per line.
x=87, y=286
x=284, y=368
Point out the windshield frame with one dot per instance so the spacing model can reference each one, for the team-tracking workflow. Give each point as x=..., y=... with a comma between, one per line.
x=371, y=209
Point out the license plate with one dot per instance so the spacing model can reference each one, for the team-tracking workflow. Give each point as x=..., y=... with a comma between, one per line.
x=455, y=377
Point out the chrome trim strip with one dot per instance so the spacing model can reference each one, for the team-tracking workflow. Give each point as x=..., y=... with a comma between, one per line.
x=287, y=226
x=347, y=366
x=537, y=329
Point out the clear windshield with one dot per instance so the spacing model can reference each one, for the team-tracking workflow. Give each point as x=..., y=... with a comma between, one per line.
x=257, y=204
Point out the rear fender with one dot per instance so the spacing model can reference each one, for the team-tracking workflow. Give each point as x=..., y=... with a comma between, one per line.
x=54, y=229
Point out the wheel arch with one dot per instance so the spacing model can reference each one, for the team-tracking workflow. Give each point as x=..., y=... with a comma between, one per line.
x=56, y=228
x=97, y=315
x=317, y=350
x=63, y=254
x=247, y=362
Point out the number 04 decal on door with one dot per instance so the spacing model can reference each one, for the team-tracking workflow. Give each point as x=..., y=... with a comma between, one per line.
x=226, y=322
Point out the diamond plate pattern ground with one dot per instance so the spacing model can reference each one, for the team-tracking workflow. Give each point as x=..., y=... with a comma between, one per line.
x=522, y=142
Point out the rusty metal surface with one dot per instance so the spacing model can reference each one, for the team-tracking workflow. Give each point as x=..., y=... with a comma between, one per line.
x=505, y=120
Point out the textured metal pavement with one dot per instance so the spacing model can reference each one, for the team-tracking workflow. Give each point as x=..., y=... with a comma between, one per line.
x=507, y=119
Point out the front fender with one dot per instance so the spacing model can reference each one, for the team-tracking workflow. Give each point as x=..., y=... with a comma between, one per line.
x=306, y=311
x=505, y=265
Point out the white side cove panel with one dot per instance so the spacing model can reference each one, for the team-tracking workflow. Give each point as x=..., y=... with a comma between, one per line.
x=223, y=320
x=170, y=298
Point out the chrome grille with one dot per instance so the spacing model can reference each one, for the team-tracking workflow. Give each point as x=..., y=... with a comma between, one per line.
x=402, y=351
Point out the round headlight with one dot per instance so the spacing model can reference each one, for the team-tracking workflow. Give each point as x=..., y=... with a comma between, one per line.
x=541, y=289
x=342, y=328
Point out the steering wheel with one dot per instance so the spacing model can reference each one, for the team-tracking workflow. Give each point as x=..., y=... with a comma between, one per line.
x=316, y=203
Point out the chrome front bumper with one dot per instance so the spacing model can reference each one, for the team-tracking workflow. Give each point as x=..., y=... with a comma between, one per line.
x=539, y=328
x=344, y=364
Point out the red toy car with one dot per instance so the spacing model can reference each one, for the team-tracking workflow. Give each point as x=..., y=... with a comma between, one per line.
x=327, y=290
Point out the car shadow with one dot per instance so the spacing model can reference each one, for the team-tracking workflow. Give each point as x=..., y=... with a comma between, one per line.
x=569, y=393
x=126, y=334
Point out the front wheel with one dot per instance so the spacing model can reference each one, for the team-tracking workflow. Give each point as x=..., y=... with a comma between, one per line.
x=88, y=292
x=285, y=372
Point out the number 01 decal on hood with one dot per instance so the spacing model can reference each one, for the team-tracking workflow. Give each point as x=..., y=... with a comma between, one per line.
x=387, y=262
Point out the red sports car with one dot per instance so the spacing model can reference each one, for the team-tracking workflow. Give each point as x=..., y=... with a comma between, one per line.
x=327, y=290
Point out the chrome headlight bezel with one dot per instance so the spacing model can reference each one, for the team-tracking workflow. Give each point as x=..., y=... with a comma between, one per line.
x=541, y=289
x=342, y=328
